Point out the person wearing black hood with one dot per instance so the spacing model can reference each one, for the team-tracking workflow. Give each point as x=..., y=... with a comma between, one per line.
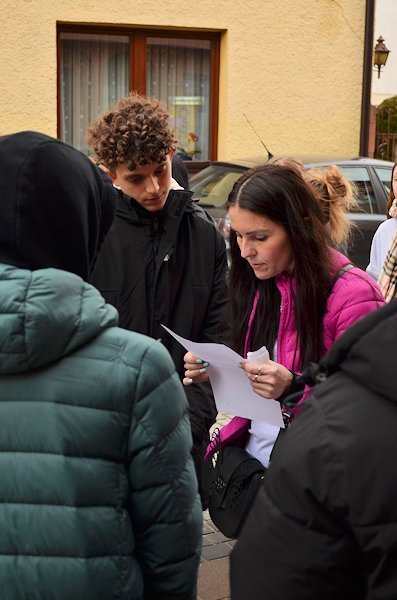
x=164, y=261
x=98, y=496
x=180, y=172
x=324, y=523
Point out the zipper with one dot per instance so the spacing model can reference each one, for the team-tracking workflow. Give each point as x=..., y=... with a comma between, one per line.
x=156, y=244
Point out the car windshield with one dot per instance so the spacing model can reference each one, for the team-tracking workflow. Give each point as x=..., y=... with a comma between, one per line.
x=212, y=185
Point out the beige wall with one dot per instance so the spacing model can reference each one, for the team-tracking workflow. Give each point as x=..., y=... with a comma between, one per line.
x=294, y=67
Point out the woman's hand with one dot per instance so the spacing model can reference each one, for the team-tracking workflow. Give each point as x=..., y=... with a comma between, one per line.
x=195, y=369
x=269, y=380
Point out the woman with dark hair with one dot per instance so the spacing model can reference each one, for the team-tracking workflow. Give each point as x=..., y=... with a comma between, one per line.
x=289, y=291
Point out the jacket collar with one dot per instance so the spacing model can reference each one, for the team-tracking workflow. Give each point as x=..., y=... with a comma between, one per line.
x=178, y=202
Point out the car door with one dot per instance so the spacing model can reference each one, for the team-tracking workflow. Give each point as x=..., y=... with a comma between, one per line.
x=383, y=175
x=370, y=212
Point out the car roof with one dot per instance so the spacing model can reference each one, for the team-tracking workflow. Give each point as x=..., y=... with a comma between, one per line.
x=248, y=163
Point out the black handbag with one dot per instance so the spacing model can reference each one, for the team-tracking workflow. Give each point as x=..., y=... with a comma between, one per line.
x=235, y=480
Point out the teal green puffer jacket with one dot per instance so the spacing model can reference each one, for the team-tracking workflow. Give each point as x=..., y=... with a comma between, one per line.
x=98, y=496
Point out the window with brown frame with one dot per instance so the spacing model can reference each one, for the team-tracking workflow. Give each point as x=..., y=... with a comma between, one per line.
x=97, y=66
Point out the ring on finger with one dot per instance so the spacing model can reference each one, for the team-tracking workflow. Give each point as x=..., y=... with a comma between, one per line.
x=256, y=378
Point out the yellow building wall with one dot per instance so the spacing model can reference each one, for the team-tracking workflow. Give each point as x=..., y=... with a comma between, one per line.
x=293, y=67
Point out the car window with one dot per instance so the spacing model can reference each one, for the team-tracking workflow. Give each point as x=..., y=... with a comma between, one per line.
x=366, y=195
x=384, y=174
x=213, y=185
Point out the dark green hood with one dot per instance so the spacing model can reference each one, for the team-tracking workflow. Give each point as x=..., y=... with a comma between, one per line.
x=45, y=315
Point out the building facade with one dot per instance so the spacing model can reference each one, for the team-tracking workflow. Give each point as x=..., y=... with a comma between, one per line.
x=236, y=76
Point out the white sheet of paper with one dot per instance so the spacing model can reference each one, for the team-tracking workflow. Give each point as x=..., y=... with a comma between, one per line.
x=232, y=391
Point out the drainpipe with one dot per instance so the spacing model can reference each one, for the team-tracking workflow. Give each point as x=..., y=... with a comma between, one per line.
x=367, y=76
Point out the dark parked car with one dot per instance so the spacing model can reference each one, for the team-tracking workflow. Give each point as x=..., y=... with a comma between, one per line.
x=212, y=185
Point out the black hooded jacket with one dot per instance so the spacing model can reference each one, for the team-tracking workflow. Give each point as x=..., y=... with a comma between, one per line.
x=44, y=222
x=165, y=268
x=324, y=523
x=168, y=268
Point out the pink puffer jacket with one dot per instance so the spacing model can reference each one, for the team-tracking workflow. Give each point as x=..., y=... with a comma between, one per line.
x=354, y=295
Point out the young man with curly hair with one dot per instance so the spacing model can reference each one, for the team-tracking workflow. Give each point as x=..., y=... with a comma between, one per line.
x=164, y=261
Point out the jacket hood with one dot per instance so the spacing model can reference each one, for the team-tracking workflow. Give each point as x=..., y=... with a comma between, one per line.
x=366, y=352
x=56, y=206
x=45, y=315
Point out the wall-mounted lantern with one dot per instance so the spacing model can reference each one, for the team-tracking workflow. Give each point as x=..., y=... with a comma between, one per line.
x=380, y=54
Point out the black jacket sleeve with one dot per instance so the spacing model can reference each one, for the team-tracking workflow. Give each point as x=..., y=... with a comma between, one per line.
x=324, y=522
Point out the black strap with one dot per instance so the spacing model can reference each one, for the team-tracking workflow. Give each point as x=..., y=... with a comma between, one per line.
x=339, y=274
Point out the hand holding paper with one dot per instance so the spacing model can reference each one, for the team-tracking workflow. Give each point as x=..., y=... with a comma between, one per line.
x=232, y=390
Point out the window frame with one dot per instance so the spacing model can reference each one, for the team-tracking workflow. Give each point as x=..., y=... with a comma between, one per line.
x=365, y=188
x=138, y=56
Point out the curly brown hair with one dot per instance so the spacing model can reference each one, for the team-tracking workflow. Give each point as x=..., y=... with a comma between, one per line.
x=134, y=132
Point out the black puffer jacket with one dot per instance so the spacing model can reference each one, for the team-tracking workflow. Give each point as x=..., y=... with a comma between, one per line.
x=169, y=269
x=324, y=524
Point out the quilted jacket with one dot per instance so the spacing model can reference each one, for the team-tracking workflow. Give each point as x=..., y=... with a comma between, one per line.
x=98, y=496
x=324, y=523
x=353, y=296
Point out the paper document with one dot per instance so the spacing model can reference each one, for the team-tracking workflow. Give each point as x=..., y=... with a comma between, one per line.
x=232, y=390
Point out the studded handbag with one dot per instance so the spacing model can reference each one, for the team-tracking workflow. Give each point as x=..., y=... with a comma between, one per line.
x=235, y=480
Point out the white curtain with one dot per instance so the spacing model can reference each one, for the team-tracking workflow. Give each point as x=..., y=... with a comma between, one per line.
x=94, y=75
x=178, y=73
